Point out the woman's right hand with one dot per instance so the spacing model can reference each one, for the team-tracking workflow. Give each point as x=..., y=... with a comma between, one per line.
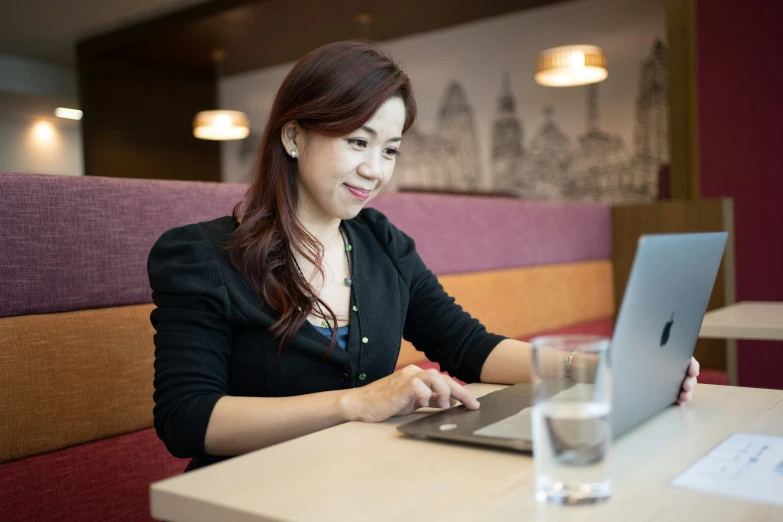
x=404, y=391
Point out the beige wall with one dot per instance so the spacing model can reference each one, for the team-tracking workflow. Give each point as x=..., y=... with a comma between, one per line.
x=40, y=146
x=32, y=139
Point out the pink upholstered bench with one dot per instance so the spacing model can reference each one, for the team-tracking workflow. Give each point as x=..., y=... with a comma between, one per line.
x=77, y=357
x=76, y=441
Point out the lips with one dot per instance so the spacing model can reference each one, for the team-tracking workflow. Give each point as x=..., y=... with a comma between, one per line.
x=357, y=192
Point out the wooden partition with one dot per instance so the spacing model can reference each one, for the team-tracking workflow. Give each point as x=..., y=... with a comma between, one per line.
x=629, y=222
x=138, y=119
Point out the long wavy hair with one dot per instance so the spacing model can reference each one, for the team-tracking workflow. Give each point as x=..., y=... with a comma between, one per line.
x=333, y=91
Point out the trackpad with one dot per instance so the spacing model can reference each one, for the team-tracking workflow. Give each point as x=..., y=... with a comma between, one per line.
x=515, y=427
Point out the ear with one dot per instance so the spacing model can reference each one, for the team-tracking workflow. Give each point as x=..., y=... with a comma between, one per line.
x=291, y=135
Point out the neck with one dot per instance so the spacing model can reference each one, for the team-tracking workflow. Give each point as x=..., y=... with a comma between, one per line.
x=325, y=229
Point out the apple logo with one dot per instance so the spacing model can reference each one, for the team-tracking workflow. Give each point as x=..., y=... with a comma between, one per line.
x=666, y=331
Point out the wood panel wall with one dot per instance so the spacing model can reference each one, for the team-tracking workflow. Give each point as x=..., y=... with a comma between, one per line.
x=138, y=119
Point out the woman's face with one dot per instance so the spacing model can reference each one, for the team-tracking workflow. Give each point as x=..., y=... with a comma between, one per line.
x=338, y=176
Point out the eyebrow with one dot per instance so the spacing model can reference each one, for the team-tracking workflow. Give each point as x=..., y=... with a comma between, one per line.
x=372, y=131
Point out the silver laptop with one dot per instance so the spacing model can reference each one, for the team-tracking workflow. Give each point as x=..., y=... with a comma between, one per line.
x=654, y=337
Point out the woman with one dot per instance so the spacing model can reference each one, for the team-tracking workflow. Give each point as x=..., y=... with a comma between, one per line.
x=286, y=317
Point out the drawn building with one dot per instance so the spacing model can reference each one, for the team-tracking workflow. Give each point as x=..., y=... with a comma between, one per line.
x=547, y=162
x=448, y=158
x=651, y=136
x=457, y=146
x=602, y=164
x=507, y=138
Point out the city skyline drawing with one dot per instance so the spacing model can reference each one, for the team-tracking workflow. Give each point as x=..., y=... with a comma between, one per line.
x=542, y=163
x=597, y=166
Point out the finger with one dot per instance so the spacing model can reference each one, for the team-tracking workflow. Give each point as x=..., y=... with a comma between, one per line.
x=458, y=392
x=684, y=397
x=693, y=369
x=422, y=392
x=437, y=383
x=689, y=384
x=452, y=400
x=411, y=368
x=462, y=394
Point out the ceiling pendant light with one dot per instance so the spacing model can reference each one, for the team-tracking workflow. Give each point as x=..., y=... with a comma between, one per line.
x=571, y=65
x=221, y=125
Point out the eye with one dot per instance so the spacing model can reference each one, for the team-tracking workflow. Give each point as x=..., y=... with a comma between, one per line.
x=391, y=151
x=358, y=142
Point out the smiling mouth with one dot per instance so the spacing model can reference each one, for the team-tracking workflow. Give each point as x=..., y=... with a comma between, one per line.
x=359, y=193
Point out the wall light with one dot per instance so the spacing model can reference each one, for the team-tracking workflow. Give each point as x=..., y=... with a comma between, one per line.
x=43, y=133
x=571, y=65
x=221, y=125
x=68, y=114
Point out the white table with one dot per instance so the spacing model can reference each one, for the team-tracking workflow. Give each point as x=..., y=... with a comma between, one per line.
x=370, y=472
x=745, y=320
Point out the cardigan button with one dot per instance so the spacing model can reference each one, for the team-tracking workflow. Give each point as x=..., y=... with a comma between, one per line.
x=343, y=376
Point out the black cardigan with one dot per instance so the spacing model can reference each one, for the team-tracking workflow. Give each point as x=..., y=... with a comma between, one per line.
x=213, y=334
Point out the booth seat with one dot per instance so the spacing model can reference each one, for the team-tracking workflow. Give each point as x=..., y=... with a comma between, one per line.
x=76, y=349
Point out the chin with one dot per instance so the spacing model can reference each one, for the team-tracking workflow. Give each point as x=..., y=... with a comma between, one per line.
x=348, y=214
x=350, y=211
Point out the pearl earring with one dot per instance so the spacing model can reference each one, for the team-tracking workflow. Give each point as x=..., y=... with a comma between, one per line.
x=293, y=153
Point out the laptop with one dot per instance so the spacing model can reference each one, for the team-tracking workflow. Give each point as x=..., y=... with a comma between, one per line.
x=654, y=337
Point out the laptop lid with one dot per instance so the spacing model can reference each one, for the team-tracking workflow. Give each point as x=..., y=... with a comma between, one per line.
x=655, y=334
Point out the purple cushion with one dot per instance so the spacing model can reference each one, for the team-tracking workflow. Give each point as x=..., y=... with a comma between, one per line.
x=457, y=234
x=73, y=243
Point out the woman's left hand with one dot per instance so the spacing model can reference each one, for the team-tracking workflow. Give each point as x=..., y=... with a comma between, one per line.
x=686, y=393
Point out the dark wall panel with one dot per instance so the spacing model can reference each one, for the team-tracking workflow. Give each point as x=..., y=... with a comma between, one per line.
x=138, y=120
x=740, y=116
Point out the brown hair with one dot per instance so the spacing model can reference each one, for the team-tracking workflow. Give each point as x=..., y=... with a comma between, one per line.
x=333, y=90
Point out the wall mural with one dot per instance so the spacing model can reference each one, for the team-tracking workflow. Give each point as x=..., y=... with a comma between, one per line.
x=485, y=126
x=597, y=167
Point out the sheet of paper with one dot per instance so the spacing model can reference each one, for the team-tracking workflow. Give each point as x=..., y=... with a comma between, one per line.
x=746, y=466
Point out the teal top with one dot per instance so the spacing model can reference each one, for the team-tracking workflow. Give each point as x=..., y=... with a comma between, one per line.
x=342, y=334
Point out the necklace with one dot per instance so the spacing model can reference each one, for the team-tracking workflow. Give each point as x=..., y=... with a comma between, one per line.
x=353, y=301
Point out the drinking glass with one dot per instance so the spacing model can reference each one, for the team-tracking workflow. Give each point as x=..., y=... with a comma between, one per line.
x=571, y=417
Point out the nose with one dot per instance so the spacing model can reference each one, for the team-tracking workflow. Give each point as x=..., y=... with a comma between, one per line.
x=371, y=167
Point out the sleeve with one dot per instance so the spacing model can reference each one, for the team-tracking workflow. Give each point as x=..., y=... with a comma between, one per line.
x=193, y=337
x=438, y=326
x=435, y=323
